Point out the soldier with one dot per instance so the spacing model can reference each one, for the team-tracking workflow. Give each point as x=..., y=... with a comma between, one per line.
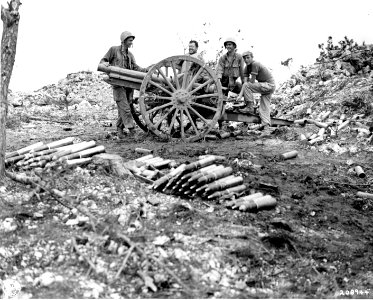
x=265, y=85
x=230, y=67
x=120, y=56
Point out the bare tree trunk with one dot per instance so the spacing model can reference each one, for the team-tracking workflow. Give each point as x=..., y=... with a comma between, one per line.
x=10, y=18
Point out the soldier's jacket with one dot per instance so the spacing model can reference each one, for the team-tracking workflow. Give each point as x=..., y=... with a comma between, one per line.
x=232, y=68
x=116, y=56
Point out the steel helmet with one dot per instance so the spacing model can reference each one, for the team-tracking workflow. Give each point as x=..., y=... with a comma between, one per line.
x=247, y=53
x=230, y=40
x=125, y=35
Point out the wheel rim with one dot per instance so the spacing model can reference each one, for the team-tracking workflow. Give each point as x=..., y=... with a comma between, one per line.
x=184, y=108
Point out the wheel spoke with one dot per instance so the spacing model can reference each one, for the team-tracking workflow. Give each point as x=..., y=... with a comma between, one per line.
x=203, y=106
x=195, y=78
x=182, y=123
x=166, y=79
x=186, y=71
x=173, y=121
x=164, y=117
x=192, y=122
x=206, y=95
x=176, y=78
x=159, y=107
x=201, y=86
x=197, y=113
x=160, y=87
x=162, y=98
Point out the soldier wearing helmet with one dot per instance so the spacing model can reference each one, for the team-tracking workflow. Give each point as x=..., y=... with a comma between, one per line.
x=120, y=56
x=230, y=67
x=258, y=79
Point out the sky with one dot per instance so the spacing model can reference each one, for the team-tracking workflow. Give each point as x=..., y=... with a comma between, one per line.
x=58, y=37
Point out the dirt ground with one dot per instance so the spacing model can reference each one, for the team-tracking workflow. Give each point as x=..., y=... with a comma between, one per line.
x=316, y=243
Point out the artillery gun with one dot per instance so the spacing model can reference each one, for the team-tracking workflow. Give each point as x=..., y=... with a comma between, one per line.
x=178, y=105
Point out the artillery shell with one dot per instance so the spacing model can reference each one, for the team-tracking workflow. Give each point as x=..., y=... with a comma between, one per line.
x=23, y=150
x=238, y=202
x=225, y=184
x=142, y=150
x=265, y=202
x=312, y=136
x=242, y=137
x=210, y=137
x=216, y=174
x=14, y=159
x=343, y=125
x=300, y=122
x=317, y=123
x=143, y=158
x=153, y=160
x=321, y=132
x=165, y=179
x=206, y=173
x=224, y=135
x=315, y=140
x=360, y=172
x=287, y=155
x=209, y=160
x=230, y=191
x=364, y=195
x=325, y=115
x=302, y=137
x=236, y=132
x=162, y=164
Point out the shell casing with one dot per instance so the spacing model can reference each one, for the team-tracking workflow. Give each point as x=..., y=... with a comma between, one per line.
x=206, y=173
x=201, y=189
x=165, y=179
x=236, y=132
x=162, y=164
x=225, y=135
x=143, y=158
x=224, y=184
x=215, y=175
x=209, y=160
x=238, y=202
x=230, y=191
x=265, y=202
x=185, y=177
x=143, y=150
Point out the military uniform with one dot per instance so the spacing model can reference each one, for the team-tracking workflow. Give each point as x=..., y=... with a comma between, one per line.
x=120, y=57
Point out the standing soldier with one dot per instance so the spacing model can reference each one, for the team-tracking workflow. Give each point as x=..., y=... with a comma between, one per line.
x=265, y=85
x=230, y=67
x=120, y=56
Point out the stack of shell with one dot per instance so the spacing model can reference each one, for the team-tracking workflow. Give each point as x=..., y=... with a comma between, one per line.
x=205, y=178
x=40, y=155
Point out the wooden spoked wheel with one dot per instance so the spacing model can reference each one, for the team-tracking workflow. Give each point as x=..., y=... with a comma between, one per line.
x=181, y=98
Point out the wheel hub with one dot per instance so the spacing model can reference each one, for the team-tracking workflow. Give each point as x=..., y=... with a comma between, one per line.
x=181, y=97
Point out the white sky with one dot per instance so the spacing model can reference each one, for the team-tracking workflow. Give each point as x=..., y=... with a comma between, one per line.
x=58, y=37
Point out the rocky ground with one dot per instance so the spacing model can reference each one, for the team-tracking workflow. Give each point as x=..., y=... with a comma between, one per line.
x=111, y=237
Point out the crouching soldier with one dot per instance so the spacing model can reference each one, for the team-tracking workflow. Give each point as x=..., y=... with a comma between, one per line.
x=120, y=56
x=265, y=85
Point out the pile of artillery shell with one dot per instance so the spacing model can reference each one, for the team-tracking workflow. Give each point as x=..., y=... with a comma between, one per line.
x=205, y=178
x=149, y=167
x=253, y=202
x=40, y=155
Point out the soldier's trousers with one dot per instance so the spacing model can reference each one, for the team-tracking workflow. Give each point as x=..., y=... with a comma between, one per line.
x=123, y=97
x=265, y=90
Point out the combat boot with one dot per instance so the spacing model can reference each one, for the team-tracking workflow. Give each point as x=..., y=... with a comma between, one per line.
x=121, y=134
x=249, y=109
x=266, y=132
